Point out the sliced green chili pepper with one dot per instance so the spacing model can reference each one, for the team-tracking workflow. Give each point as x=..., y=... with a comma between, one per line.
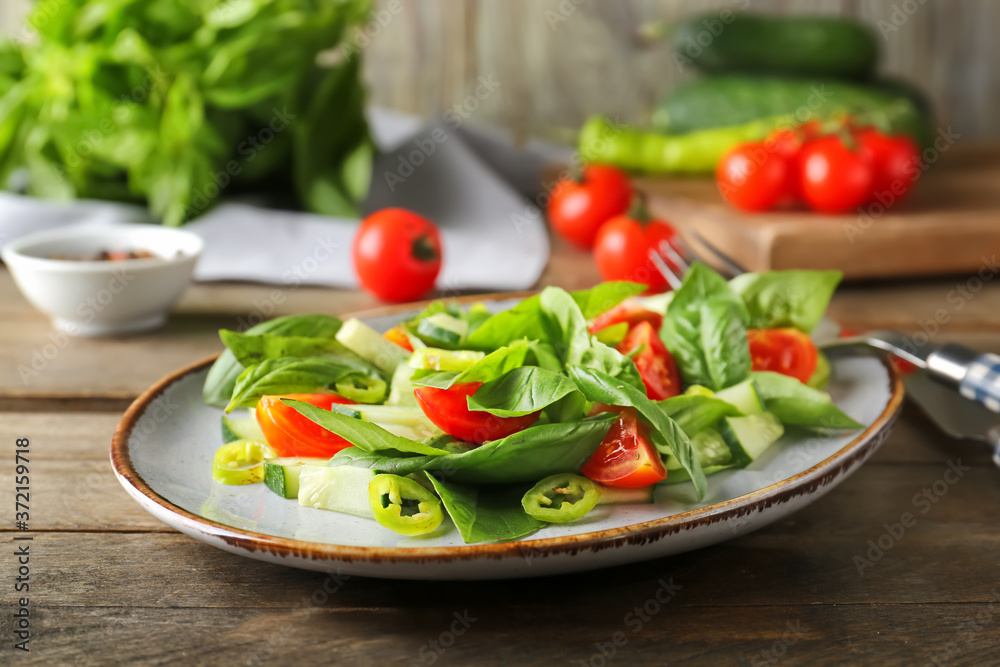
x=561, y=498
x=361, y=388
x=240, y=462
x=614, y=334
x=403, y=505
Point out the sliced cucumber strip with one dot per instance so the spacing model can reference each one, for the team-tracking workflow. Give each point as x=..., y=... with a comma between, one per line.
x=282, y=475
x=240, y=428
x=442, y=330
x=749, y=436
x=744, y=396
x=369, y=344
x=403, y=415
x=711, y=448
x=435, y=359
x=341, y=489
x=613, y=495
x=401, y=390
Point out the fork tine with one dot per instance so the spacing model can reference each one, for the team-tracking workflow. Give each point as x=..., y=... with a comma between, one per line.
x=672, y=278
x=674, y=256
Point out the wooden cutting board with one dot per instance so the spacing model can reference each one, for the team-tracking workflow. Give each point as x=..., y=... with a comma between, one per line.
x=950, y=224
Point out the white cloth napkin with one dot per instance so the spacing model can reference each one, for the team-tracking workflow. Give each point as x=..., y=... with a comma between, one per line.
x=493, y=236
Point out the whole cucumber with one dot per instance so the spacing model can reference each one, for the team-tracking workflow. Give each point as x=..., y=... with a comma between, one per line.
x=728, y=41
x=721, y=101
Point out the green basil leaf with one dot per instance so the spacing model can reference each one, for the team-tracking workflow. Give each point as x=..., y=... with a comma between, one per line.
x=521, y=321
x=611, y=362
x=251, y=349
x=361, y=434
x=724, y=344
x=796, y=404
x=602, y=298
x=289, y=375
x=705, y=330
x=488, y=514
x=221, y=378
x=565, y=326
x=777, y=299
x=667, y=435
x=526, y=456
x=521, y=392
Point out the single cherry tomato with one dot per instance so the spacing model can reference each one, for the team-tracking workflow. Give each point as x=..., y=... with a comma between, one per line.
x=290, y=434
x=656, y=365
x=788, y=142
x=752, y=178
x=397, y=254
x=397, y=335
x=895, y=164
x=622, y=249
x=626, y=457
x=578, y=208
x=786, y=351
x=628, y=311
x=449, y=410
x=834, y=178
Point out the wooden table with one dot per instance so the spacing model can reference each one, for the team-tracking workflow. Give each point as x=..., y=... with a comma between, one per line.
x=109, y=583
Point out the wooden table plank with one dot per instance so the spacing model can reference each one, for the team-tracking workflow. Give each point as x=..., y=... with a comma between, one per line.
x=522, y=634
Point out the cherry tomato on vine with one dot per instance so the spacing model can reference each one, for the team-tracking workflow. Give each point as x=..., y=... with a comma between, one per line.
x=397, y=254
x=835, y=178
x=622, y=248
x=786, y=351
x=895, y=162
x=578, y=208
x=752, y=178
x=449, y=410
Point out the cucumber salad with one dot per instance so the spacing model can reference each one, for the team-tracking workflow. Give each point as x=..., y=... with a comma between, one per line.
x=502, y=423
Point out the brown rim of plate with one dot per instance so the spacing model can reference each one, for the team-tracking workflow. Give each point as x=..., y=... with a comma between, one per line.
x=778, y=493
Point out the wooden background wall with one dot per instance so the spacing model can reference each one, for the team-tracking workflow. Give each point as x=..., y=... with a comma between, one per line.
x=559, y=60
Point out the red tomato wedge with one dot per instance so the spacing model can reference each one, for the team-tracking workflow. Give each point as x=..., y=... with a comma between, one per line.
x=627, y=311
x=656, y=365
x=397, y=335
x=449, y=410
x=290, y=434
x=625, y=457
x=786, y=351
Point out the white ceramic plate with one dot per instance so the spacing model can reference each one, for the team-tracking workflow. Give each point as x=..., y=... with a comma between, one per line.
x=163, y=447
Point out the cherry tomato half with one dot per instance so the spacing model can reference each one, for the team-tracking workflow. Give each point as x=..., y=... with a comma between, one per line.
x=656, y=365
x=834, y=178
x=626, y=457
x=627, y=311
x=290, y=434
x=449, y=410
x=753, y=178
x=397, y=254
x=622, y=247
x=577, y=209
x=786, y=351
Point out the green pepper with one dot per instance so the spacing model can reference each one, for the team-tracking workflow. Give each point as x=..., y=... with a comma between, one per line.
x=696, y=152
x=403, y=505
x=561, y=498
x=361, y=388
x=240, y=462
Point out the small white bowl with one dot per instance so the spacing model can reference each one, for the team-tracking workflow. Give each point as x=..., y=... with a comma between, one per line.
x=92, y=298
